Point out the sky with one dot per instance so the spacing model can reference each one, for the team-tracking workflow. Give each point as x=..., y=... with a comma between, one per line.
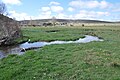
x=107, y=10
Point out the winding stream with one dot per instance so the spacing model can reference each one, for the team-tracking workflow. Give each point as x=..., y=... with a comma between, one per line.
x=20, y=49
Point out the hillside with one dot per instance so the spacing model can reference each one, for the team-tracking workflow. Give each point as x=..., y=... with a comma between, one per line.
x=9, y=30
x=40, y=22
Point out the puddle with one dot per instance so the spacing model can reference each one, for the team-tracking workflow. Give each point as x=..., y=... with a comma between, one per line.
x=20, y=49
x=53, y=31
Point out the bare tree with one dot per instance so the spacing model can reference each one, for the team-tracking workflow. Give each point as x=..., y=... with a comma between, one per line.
x=9, y=28
x=2, y=8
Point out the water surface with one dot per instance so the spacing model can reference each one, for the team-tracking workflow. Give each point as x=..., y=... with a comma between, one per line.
x=19, y=49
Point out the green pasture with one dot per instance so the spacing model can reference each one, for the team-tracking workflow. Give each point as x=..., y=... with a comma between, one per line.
x=86, y=61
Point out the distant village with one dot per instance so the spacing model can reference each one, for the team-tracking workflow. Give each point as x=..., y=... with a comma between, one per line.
x=46, y=22
x=58, y=22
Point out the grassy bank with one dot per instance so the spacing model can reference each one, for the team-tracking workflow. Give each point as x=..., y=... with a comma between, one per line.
x=90, y=61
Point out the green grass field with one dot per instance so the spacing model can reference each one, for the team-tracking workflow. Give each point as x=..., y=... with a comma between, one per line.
x=89, y=61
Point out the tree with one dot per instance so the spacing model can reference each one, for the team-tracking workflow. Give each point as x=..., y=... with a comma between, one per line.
x=2, y=8
x=53, y=20
x=9, y=28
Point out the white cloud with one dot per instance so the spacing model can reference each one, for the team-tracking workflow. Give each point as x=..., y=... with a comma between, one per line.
x=54, y=8
x=116, y=10
x=25, y=16
x=54, y=3
x=12, y=2
x=70, y=9
x=57, y=9
x=64, y=16
x=92, y=4
x=46, y=13
x=89, y=4
x=45, y=8
x=19, y=16
x=104, y=4
x=61, y=16
x=83, y=14
x=90, y=14
x=115, y=7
